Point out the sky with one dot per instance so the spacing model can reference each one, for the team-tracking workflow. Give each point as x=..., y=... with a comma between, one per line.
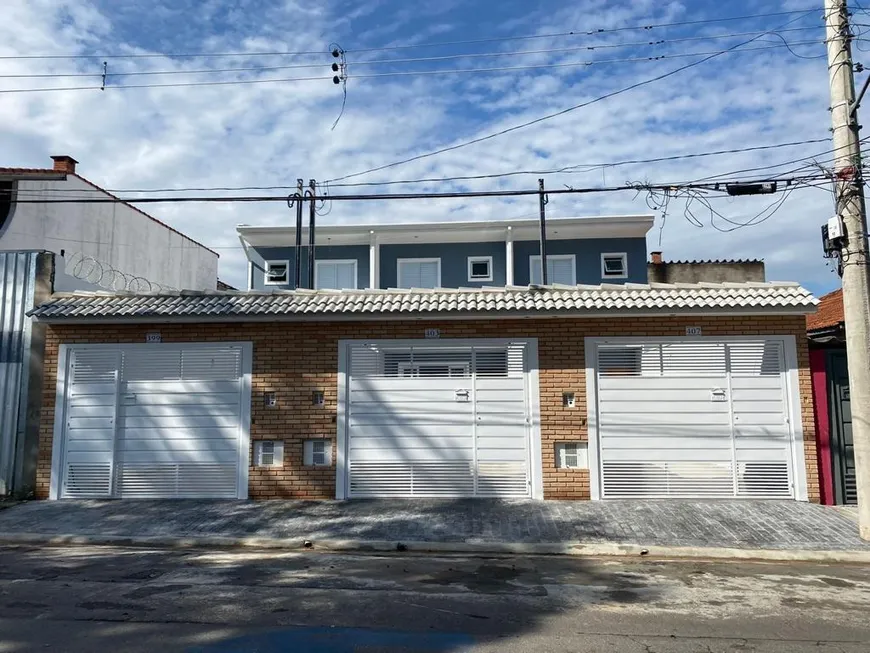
x=271, y=133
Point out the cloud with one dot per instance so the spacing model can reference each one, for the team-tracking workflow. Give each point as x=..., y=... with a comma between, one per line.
x=271, y=133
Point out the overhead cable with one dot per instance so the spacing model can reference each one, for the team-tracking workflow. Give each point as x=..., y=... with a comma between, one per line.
x=449, y=57
x=713, y=186
x=578, y=32
x=556, y=114
x=569, y=169
x=411, y=73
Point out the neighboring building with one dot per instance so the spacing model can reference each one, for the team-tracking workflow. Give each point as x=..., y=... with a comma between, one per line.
x=661, y=271
x=826, y=332
x=224, y=286
x=110, y=245
x=451, y=254
x=47, y=245
x=622, y=390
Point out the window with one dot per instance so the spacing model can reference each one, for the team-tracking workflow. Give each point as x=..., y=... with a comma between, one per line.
x=277, y=273
x=317, y=453
x=560, y=269
x=335, y=274
x=614, y=266
x=269, y=453
x=419, y=272
x=480, y=268
x=571, y=455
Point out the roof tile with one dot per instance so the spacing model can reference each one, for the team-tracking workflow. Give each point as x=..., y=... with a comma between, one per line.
x=830, y=312
x=779, y=297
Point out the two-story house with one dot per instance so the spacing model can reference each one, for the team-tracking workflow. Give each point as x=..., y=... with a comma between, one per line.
x=430, y=360
x=450, y=254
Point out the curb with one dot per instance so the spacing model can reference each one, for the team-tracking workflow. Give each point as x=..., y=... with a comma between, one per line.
x=470, y=548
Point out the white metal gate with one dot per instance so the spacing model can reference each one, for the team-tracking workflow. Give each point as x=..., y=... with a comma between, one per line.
x=155, y=421
x=694, y=418
x=437, y=420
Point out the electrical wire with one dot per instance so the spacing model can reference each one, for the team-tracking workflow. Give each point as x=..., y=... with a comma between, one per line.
x=557, y=113
x=372, y=62
x=401, y=196
x=571, y=169
x=416, y=73
x=611, y=30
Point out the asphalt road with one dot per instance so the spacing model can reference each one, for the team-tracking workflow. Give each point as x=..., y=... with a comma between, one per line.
x=76, y=599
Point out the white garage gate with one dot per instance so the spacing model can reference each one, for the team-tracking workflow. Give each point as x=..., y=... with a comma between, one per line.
x=438, y=419
x=696, y=418
x=152, y=421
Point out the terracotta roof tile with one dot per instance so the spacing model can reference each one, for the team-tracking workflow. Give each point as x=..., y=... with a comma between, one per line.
x=830, y=312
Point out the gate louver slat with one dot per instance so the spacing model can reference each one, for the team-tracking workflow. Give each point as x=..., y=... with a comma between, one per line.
x=437, y=420
x=668, y=427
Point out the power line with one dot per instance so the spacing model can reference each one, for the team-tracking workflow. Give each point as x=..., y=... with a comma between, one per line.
x=449, y=71
x=717, y=186
x=556, y=114
x=648, y=26
x=611, y=30
x=372, y=62
x=169, y=85
x=571, y=169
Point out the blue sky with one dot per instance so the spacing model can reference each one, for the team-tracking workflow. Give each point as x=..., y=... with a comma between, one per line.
x=271, y=133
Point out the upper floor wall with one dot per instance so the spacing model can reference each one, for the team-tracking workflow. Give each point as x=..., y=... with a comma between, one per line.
x=111, y=236
x=453, y=265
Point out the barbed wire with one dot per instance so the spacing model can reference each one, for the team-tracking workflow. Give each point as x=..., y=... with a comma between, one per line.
x=99, y=273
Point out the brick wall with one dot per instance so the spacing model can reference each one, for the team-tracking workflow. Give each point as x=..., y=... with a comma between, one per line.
x=295, y=359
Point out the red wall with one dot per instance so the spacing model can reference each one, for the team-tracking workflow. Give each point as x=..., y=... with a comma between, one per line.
x=819, y=375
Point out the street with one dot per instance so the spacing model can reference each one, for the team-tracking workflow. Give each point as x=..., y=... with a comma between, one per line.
x=76, y=599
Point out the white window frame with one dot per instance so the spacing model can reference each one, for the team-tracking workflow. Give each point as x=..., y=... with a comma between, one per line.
x=401, y=261
x=308, y=452
x=536, y=259
x=277, y=453
x=580, y=454
x=337, y=261
x=621, y=255
x=480, y=259
x=269, y=264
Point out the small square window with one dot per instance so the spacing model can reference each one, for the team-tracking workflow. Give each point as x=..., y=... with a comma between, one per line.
x=317, y=453
x=277, y=272
x=269, y=453
x=614, y=266
x=480, y=268
x=571, y=455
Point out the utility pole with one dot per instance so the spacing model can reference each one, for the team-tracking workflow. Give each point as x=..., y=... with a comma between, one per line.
x=298, y=251
x=848, y=184
x=312, y=212
x=543, y=202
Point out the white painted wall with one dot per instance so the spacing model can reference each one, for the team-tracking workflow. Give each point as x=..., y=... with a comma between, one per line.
x=113, y=233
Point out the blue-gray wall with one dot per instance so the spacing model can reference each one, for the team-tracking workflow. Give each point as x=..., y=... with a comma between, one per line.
x=260, y=255
x=587, y=253
x=454, y=262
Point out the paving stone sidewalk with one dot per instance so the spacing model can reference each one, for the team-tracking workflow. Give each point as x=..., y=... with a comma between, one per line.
x=776, y=525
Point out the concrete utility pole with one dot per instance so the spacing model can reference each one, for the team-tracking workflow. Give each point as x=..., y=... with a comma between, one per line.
x=850, y=207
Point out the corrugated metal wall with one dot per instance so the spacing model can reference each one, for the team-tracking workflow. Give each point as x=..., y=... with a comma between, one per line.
x=17, y=288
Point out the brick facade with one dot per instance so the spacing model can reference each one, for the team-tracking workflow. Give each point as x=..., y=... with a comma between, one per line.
x=293, y=359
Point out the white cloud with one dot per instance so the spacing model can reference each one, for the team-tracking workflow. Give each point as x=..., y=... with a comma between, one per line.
x=269, y=134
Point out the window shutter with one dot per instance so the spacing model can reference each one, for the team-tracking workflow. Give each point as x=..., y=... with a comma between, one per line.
x=336, y=275
x=561, y=270
x=326, y=275
x=535, y=276
x=418, y=274
x=344, y=275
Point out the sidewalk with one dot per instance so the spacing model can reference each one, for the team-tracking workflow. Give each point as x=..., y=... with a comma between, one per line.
x=776, y=530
